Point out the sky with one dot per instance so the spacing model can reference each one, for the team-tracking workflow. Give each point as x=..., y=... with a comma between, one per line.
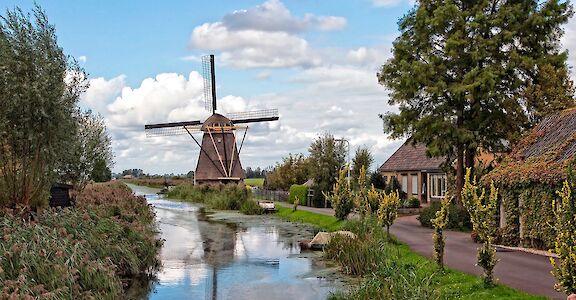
x=315, y=61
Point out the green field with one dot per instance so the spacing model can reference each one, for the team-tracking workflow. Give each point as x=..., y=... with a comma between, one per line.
x=259, y=182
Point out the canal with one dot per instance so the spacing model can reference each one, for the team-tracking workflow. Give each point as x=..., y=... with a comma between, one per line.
x=227, y=255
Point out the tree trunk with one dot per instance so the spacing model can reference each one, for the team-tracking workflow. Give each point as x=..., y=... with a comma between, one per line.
x=459, y=173
x=469, y=159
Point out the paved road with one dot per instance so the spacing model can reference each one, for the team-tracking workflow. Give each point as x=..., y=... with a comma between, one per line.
x=520, y=270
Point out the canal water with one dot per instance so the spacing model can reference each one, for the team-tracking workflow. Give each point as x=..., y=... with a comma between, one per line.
x=227, y=255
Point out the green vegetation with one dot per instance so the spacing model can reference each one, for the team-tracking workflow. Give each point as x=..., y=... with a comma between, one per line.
x=458, y=218
x=250, y=207
x=341, y=196
x=44, y=135
x=565, y=227
x=411, y=202
x=474, y=86
x=482, y=215
x=88, y=251
x=300, y=192
x=439, y=223
x=257, y=182
x=224, y=197
x=390, y=270
x=328, y=223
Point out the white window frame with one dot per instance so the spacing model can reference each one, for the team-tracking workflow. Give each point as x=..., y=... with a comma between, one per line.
x=437, y=184
x=414, y=184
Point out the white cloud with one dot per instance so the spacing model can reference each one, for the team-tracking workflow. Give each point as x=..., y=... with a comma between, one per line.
x=389, y=3
x=102, y=92
x=569, y=43
x=82, y=59
x=272, y=15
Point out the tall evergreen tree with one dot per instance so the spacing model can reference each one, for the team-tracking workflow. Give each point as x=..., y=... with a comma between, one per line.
x=362, y=158
x=462, y=74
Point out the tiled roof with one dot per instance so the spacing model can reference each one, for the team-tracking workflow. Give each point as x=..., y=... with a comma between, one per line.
x=411, y=158
x=552, y=132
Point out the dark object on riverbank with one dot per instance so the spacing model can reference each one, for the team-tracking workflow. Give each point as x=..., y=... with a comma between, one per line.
x=60, y=195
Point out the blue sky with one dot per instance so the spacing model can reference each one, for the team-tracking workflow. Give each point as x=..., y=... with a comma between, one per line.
x=314, y=60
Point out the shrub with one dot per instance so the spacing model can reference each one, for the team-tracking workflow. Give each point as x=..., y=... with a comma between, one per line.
x=439, y=224
x=341, y=196
x=250, y=207
x=458, y=217
x=394, y=186
x=82, y=252
x=412, y=202
x=298, y=191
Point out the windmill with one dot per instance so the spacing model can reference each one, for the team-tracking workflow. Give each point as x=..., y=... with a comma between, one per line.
x=219, y=158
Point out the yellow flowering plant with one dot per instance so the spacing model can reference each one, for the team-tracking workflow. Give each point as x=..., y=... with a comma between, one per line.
x=439, y=223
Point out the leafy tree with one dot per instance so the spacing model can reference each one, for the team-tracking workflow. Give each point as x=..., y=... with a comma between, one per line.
x=388, y=209
x=466, y=74
x=341, y=196
x=91, y=146
x=377, y=180
x=101, y=172
x=362, y=201
x=327, y=157
x=483, y=217
x=294, y=169
x=39, y=90
x=439, y=223
x=565, y=245
x=362, y=159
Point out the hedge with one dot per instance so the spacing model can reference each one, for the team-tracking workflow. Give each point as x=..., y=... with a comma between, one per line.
x=300, y=191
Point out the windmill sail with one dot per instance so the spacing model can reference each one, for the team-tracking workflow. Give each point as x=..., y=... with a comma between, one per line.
x=209, y=83
x=254, y=116
x=175, y=128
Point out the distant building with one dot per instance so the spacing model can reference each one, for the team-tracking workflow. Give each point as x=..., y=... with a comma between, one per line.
x=419, y=176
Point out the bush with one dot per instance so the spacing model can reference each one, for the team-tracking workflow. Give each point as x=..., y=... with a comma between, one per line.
x=300, y=191
x=250, y=207
x=458, y=218
x=412, y=202
x=223, y=197
x=82, y=252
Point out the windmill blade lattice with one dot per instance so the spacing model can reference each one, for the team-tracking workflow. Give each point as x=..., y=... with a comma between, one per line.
x=169, y=129
x=254, y=116
x=209, y=85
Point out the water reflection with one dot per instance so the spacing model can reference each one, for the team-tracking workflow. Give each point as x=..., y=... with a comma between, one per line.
x=207, y=259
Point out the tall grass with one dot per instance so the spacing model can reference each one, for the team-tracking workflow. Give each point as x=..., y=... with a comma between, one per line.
x=223, y=197
x=90, y=251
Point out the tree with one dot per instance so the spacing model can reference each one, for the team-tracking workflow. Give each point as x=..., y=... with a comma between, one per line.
x=327, y=157
x=39, y=90
x=361, y=195
x=565, y=245
x=483, y=217
x=439, y=223
x=294, y=169
x=341, y=196
x=362, y=159
x=91, y=146
x=388, y=209
x=465, y=74
x=377, y=180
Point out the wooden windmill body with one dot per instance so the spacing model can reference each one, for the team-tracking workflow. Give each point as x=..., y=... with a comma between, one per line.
x=219, y=158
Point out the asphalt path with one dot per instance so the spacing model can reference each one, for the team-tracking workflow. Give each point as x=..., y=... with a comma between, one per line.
x=523, y=271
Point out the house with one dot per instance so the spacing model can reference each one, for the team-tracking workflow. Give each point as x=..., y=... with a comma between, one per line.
x=419, y=176
x=529, y=177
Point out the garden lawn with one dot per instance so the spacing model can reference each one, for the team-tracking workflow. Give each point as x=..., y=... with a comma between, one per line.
x=323, y=222
x=258, y=182
x=449, y=284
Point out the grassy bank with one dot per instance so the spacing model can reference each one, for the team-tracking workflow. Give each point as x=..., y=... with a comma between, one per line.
x=390, y=270
x=90, y=251
x=158, y=183
x=323, y=222
x=223, y=197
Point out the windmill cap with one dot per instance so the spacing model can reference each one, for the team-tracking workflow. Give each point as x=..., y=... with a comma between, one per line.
x=216, y=120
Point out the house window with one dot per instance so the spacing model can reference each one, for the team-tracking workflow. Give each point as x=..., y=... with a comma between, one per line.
x=414, y=184
x=405, y=183
x=437, y=185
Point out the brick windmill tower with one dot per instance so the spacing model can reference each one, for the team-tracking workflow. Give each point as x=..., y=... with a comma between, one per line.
x=219, y=160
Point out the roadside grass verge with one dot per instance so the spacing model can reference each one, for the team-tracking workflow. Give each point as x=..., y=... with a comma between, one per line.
x=257, y=182
x=323, y=222
x=90, y=251
x=389, y=269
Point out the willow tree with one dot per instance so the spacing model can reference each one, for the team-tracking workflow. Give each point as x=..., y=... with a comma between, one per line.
x=39, y=89
x=471, y=74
